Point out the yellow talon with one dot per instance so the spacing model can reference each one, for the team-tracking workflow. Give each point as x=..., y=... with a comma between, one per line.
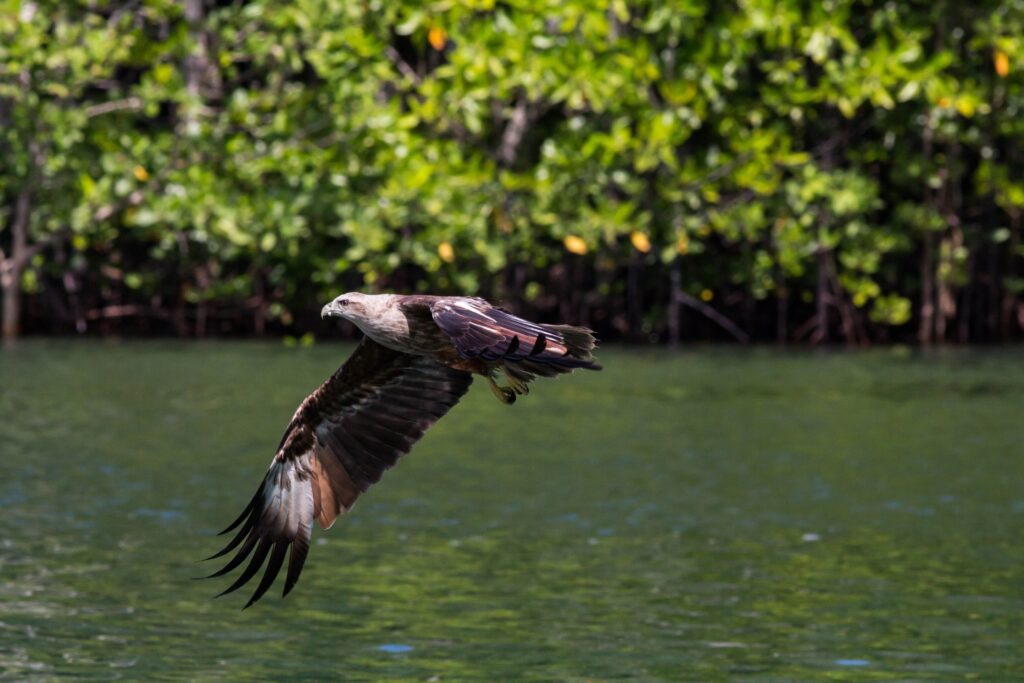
x=504, y=394
x=518, y=385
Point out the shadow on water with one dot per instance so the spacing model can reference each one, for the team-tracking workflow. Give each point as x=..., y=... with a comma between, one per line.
x=695, y=516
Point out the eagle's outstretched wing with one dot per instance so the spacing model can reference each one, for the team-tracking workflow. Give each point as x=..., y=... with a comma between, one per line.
x=479, y=330
x=340, y=441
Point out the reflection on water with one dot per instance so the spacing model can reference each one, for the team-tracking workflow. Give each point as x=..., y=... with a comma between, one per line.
x=695, y=516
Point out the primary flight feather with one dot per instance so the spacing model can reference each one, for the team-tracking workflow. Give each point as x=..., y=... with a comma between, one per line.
x=417, y=359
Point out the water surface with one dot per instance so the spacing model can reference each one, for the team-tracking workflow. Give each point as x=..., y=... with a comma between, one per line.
x=705, y=515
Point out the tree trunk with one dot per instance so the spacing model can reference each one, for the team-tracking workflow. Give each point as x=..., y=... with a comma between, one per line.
x=823, y=257
x=820, y=335
x=11, y=267
x=12, y=300
x=1009, y=303
x=946, y=294
x=846, y=313
x=966, y=297
x=925, y=332
x=951, y=241
x=259, y=317
x=926, y=329
x=781, y=310
x=633, y=298
x=675, y=288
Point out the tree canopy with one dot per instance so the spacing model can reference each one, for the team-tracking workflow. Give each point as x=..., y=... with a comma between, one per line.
x=760, y=169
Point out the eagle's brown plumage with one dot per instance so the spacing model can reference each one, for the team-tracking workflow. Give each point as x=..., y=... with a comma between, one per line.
x=415, y=363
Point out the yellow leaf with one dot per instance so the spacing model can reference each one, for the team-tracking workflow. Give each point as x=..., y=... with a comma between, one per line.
x=846, y=107
x=437, y=37
x=1002, y=63
x=683, y=244
x=621, y=10
x=575, y=245
x=706, y=295
x=141, y=174
x=446, y=252
x=162, y=73
x=640, y=241
x=965, y=106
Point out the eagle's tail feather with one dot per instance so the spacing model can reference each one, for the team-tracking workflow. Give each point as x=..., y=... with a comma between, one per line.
x=574, y=350
x=580, y=343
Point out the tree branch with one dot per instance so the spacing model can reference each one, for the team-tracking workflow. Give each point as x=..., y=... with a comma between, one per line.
x=508, y=150
x=127, y=104
x=402, y=65
x=713, y=315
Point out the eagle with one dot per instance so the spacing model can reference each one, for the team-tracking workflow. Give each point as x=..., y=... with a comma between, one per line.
x=417, y=358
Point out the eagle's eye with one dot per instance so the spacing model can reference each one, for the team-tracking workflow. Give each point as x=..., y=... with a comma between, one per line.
x=343, y=302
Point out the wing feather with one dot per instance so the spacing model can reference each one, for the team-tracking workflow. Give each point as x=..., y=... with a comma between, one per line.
x=479, y=330
x=340, y=441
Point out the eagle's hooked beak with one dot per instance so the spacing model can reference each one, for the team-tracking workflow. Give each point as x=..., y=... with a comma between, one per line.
x=331, y=310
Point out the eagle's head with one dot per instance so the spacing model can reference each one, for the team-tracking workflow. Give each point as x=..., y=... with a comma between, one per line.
x=361, y=309
x=378, y=315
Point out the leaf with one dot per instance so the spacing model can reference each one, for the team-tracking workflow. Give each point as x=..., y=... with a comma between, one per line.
x=446, y=252
x=409, y=26
x=88, y=185
x=846, y=107
x=1002, y=63
x=575, y=245
x=437, y=37
x=640, y=241
x=162, y=73
x=908, y=91
x=966, y=106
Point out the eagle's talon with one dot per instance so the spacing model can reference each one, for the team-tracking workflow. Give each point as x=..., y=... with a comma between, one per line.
x=519, y=386
x=504, y=394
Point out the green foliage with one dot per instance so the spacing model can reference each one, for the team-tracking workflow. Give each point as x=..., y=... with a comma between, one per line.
x=259, y=157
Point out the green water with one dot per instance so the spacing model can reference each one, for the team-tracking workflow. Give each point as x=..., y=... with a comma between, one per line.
x=706, y=515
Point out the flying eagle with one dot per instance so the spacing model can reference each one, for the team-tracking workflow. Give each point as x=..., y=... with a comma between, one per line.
x=416, y=360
